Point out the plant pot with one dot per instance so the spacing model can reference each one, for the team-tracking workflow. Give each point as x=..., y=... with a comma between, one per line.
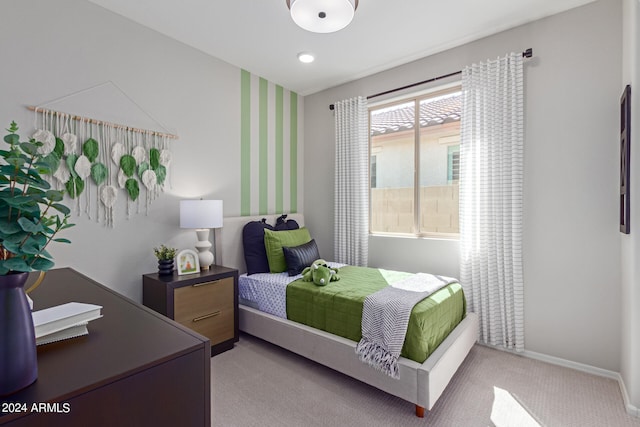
x=165, y=267
x=18, y=357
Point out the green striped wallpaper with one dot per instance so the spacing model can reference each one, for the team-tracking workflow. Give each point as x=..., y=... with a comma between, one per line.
x=269, y=147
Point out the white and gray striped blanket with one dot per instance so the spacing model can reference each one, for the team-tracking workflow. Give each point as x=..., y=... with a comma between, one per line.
x=385, y=318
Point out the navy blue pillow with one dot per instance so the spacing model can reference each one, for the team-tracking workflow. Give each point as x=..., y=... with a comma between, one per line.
x=300, y=257
x=255, y=255
x=282, y=223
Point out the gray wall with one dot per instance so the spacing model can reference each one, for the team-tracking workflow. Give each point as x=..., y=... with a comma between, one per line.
x=52, y=49
x=630, y=244
x=571, y=238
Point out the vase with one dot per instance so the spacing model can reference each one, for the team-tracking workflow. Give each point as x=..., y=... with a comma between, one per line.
x=18, y=358
x=165, y=267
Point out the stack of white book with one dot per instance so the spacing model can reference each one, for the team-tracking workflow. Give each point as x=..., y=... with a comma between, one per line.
x=64, y=321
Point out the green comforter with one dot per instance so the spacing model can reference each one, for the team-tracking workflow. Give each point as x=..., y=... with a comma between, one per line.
x=337, y=308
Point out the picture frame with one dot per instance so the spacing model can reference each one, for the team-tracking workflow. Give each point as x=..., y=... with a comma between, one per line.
x=625, y=158
x=188, y=263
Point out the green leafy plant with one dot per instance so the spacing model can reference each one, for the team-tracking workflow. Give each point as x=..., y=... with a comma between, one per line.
x=164, y=253
x=31, y=213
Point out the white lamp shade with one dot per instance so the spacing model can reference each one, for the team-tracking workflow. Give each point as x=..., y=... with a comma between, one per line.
x=201, y=213
x=322, y=16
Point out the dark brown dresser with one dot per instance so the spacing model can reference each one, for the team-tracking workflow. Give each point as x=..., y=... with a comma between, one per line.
x=134, y=368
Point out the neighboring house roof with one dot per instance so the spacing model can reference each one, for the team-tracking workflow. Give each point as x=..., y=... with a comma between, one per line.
x=435, y=111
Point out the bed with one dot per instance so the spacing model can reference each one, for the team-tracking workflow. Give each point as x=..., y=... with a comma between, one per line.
x=419, y=383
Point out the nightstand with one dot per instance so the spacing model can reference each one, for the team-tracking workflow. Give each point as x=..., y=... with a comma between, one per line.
x=206, y=302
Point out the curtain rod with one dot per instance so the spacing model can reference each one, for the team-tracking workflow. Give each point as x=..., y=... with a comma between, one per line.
x=526, y=54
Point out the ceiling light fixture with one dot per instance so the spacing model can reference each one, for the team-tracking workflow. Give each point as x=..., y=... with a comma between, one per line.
x=322, y=16
x=306, y=57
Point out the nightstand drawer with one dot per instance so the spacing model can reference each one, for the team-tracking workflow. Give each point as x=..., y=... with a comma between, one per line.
x=207, y=308
x=203, y=298
x=216, y=325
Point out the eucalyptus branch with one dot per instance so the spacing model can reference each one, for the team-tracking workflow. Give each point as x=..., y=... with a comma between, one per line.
x=26, y=182
x=42, y=216
x=13, y=181
x=14, y=178
x=50, y=238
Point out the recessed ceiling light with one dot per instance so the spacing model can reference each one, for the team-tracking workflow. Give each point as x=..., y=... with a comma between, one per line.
x=305, y=57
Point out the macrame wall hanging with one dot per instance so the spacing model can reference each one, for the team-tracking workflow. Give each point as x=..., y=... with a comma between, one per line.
x=100, y=164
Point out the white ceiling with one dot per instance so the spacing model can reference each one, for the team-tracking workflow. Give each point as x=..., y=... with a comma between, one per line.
x=259, y=35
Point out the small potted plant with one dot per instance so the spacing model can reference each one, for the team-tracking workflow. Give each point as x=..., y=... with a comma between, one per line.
x=165, y=257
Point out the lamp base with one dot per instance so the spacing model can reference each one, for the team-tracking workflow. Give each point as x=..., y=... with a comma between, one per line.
x=205, y=257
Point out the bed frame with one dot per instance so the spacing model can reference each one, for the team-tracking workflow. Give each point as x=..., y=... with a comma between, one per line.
x=419, y=383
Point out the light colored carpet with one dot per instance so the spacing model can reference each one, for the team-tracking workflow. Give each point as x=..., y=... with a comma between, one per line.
x=259, y=384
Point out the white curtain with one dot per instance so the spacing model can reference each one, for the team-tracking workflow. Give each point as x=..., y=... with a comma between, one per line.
x=351, y=239
x=491, y=179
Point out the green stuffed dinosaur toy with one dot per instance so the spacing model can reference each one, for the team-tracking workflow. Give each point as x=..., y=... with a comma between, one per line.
x=320, y=273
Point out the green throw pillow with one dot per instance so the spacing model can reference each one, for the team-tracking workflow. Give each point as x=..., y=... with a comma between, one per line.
x=275, y=240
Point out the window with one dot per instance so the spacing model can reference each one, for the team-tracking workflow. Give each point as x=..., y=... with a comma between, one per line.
x=415, y=165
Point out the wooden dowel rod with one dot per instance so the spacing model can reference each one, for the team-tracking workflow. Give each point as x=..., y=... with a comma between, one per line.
x=101, y=122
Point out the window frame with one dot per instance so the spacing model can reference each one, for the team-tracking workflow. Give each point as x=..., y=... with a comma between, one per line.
x=416, y=97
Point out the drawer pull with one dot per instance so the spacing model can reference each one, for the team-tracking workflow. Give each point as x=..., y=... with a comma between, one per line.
x=206, y=316
x=205, y=283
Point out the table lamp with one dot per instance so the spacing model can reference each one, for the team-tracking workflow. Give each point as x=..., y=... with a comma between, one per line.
x=202, y=215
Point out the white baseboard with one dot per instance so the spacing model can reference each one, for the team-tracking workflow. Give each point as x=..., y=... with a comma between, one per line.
x=631, y=409
x=571, y=364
